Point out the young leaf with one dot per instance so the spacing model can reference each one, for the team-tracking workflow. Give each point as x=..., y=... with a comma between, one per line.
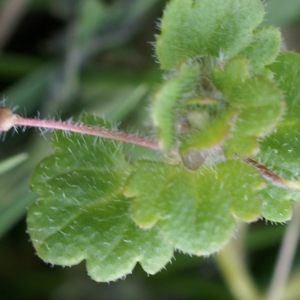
x=214, y=136
x=82, y=214
x=218, y=28
x=258, y=101
x=194, y=210
x=167, y=100
x=263, y=49
x=235, y=72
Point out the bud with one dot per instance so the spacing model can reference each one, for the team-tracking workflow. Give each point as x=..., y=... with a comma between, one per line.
x=7, y=119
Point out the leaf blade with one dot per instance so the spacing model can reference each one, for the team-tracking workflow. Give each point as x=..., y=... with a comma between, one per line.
x=83, y=214
x=192, y=29
x=194, y=209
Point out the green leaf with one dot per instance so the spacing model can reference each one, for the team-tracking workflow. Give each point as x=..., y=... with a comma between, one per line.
x=218, y=28
x=214, y=136
x=167, y=100
x=237, y=143
x=276, y=206
x=258, y=101
x=280, y=151
x=235, y=72
x=194, y=210
x=82, y=214
x=242, y=90
x=263, y=49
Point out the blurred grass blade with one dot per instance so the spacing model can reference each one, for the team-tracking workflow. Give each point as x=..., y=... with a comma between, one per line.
x=124, y=108
x=13, y=212
x=12, y=162
x=28, y=91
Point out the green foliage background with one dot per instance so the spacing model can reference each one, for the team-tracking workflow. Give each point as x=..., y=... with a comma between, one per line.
x=65, y=57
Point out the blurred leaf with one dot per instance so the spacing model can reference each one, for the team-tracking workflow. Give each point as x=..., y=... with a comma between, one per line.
x=129, y=103
x=12, y=162
x=282, y=13
x=11, y=213
x=264, y=235
x=14, y=65
x=28, y=92
x=92, y=14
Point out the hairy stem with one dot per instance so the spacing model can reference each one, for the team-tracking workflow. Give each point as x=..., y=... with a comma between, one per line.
x=9, y=120
x=231, y=261
x=285, y=257
x=90, y=130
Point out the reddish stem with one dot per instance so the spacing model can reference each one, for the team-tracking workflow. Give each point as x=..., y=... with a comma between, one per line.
x=90, y=130
x=8, y=120
x=266, y=172
x=295, y=185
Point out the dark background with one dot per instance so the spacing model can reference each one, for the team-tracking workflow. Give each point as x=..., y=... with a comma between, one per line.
x=59, y=58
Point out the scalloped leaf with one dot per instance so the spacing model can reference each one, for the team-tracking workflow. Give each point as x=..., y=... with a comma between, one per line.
x=259, y=103
x=276, y=205
x=83, y=215
x=280, y=151
x=219, y=28
x=167, y=100
x=194, y=210
x=263, y=49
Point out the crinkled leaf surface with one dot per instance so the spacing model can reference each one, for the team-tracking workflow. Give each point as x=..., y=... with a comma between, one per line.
x=212, y=137
x=167, y=100
x=263, y=49
x=82, y=214
x=194, y=210
x=280, y=151
x=219, y=28
x=259, y=103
